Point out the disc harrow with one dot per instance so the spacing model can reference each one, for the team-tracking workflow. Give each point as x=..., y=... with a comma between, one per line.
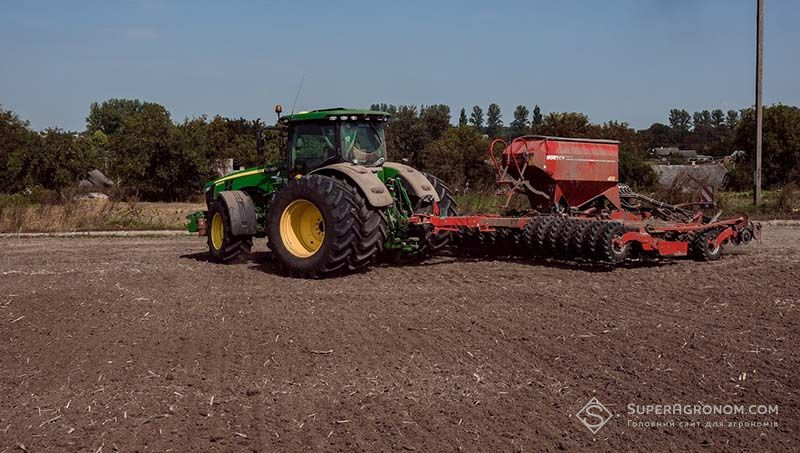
x=569, y=238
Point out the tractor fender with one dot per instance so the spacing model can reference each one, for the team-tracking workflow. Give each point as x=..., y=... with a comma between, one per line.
x=371, y=186
x=241, y=212
x=414, y=181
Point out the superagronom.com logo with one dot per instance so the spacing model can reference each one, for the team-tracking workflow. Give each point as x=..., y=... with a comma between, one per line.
x=594, y=415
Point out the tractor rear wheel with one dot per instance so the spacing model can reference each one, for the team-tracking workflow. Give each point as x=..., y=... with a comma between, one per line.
x=318, y=226
x=223, y=246
x=371, y=232
x=430, y=243
x=447, y=207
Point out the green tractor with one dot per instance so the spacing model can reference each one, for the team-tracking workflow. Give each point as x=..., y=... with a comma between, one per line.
x=334, y=205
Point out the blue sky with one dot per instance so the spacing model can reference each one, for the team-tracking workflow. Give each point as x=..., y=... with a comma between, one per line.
x=628, y=60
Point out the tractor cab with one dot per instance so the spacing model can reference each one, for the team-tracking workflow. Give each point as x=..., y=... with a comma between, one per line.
x=324, y=137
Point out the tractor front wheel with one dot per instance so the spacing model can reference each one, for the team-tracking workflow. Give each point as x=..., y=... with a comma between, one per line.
x=222, y=245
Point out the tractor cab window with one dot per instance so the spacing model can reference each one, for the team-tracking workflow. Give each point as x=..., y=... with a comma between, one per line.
x=313, y=145
x=363, y=143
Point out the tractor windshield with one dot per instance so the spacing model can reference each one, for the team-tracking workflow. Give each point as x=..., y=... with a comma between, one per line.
x=363, y=143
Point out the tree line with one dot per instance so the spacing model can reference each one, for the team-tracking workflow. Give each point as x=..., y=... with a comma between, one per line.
x=711, y=132
x=152, y=157
x=135, y=143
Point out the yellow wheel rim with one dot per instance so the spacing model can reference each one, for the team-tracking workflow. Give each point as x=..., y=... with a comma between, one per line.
x=217, y=231
x=302, y=228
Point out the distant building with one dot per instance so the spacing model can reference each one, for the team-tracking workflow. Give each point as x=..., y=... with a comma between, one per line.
x=706, y=174
x=665, y=153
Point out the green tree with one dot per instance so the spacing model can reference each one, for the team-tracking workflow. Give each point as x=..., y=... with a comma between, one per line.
x=717, y=118
x=538, y=118
x=15, y=134
x=458, y=157
x=705, y=137
x=405, y=135
x=657, y=134
x=781, y=143
x=218, y=138
x=701, y=119
x=476, y=118
x=462, y=118
x=154, y=158
x=566, y=124
x=109, y=116
x=679, y=120
x=236, y=138
x=54, y=160
x=634, y=169
x=732, y=119
x=383, y=107
x=435, y=120
x=494, y=120
x=520, y=125
x=633, y=166
x=95, y=145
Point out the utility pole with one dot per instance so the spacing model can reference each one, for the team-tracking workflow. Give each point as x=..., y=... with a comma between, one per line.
x=759, y=112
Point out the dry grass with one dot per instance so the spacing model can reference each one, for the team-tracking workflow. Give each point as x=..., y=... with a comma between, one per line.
x=776, y=204
x=18, y=215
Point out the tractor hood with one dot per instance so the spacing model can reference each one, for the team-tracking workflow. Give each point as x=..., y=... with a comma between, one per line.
x=236, y=174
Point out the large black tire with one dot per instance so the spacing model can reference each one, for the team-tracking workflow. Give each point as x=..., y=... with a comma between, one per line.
x=223, y=247
x=566, y=237
x=468, y=238
x=529, y=234
x=500, y=242
x=371, y=233
x=606, y=248
x=539, y=238
x=579, y=238
x=589, y=247
x=701, y=247
x=430, y=243
x=353, y=234
x=509, y=242
x=552, y=239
